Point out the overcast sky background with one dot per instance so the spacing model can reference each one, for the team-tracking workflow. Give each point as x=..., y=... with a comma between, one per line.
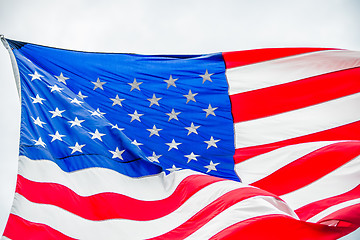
x=157, y=27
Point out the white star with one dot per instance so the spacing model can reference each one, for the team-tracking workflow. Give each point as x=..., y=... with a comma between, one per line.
x=80, y=95
x=154, y=131
x=77, y=148
x=135, y=116
x=190, y=96
x=211, y=166
x=171, y=82
x=210, y=110
x=154, y=158
x=192, y=129
x=36, y=75
x=76, y=122
x=98, y=84
x=56, y=136
x=173, y=144
x=173, y=169
x=97, y=113
x=154, y=100
x=56, y=113
x=39, y=142
x=136, y=143
x=37, y=99
x=76, y=101
x=173, y=115
x=55, y=88
x=117, y=101
x=116, y=127
x=206, y=76
x=97, y=135
x=211, y=143
x=61, y=78
x=191, y=156
x=135, y=85
x=38, y=122
x=117, y=153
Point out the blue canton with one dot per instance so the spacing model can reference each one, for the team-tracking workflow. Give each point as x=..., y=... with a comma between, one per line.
x=135, y=114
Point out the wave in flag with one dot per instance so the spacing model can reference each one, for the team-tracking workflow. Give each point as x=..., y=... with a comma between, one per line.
x=257, y=144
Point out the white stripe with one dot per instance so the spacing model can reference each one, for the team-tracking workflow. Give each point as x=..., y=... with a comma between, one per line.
x=80, y=228
x=91, y=181
x=299, y=122
x=333, y=209
x=249, y=208
x=339, y=181
x=288, y=69
x=265, y=164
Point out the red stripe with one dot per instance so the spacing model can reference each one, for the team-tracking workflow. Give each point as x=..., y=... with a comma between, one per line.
x=346, y=132
x=241, y=58
x=211, y=211
x=314, y=208
x=309, y=168
x=104, y=206
x=279, y=227
x=294, y=95
x=350, y=215
x=18, y=228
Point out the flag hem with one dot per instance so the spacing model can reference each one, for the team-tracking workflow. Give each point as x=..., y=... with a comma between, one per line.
x=13, y=64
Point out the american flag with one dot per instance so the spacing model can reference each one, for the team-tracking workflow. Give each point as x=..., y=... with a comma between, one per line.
x=258, y=144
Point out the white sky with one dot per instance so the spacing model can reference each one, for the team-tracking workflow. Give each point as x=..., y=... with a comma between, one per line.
x=156, y=27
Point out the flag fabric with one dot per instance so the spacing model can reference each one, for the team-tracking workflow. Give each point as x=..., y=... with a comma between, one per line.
x=257, y=144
